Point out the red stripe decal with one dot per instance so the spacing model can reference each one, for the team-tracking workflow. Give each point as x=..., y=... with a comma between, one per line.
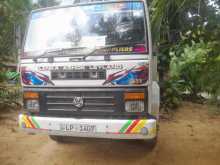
x=32, y=125
x=132, y=126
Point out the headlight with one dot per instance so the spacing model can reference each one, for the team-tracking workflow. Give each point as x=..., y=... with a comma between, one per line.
x=134, y=106
x=32, y=105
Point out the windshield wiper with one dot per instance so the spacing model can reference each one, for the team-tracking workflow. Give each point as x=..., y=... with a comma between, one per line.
x=47, y=52
x=106, y=47
x=106, y=56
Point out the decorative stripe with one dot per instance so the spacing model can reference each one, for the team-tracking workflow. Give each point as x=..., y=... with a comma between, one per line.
x=26, y=122
x=135, y=122
x=139, y=126
x=123, y=129
x=32, y=125
x=29, y=122
x=35, y=122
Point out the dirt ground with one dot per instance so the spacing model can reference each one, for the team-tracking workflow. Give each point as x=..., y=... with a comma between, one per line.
x=191, y=137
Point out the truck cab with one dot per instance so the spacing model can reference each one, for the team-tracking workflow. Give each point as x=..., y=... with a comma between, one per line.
x=87, y=70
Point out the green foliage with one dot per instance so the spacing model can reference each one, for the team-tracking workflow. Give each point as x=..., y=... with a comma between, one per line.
x=210, y=77
x=179, y=27
x=10, y=96
x=171, y=96
x=187, y=67
x=12, y=76
x=12, y=15
x=170, y=17
x=2, y=77
x=198, y=68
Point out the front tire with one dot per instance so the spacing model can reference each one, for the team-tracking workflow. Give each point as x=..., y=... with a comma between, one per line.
x=66, y=139
x=151, y=144
x=58, y=139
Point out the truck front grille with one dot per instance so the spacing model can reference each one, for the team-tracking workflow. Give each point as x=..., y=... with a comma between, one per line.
x=93, y=101
x=98, y=102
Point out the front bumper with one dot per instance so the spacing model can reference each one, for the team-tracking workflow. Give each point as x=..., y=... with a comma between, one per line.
x=101, y=128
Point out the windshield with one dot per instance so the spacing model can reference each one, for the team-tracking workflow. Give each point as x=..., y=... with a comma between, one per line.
x=88, y=26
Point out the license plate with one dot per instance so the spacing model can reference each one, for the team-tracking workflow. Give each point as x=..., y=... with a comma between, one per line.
x=77, y=127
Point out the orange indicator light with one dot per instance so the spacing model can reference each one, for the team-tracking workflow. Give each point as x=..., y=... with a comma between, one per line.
x=31, y=95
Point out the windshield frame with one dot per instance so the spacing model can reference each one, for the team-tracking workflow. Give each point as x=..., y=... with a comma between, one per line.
x=146, y=26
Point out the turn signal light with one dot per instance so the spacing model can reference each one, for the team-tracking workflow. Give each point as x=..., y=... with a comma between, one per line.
x=134, y=96
x=31, y=95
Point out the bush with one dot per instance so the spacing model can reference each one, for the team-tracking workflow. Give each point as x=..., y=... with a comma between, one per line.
x=171, y=95
x=198, y=68
x=211, y=79
x=10, y=93
x=10, y=96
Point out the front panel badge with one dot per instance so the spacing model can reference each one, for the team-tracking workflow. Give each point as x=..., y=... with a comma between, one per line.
x=78, y=102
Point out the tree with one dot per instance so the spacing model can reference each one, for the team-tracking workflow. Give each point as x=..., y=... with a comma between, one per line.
x=175, y=24
x=12, y=14
x=171, y=16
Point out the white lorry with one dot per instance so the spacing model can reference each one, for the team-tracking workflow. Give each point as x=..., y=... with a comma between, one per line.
x=87, y=70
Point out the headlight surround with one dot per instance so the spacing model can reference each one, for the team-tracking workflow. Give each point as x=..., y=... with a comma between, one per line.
x=134, y=106
x=32, y=105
